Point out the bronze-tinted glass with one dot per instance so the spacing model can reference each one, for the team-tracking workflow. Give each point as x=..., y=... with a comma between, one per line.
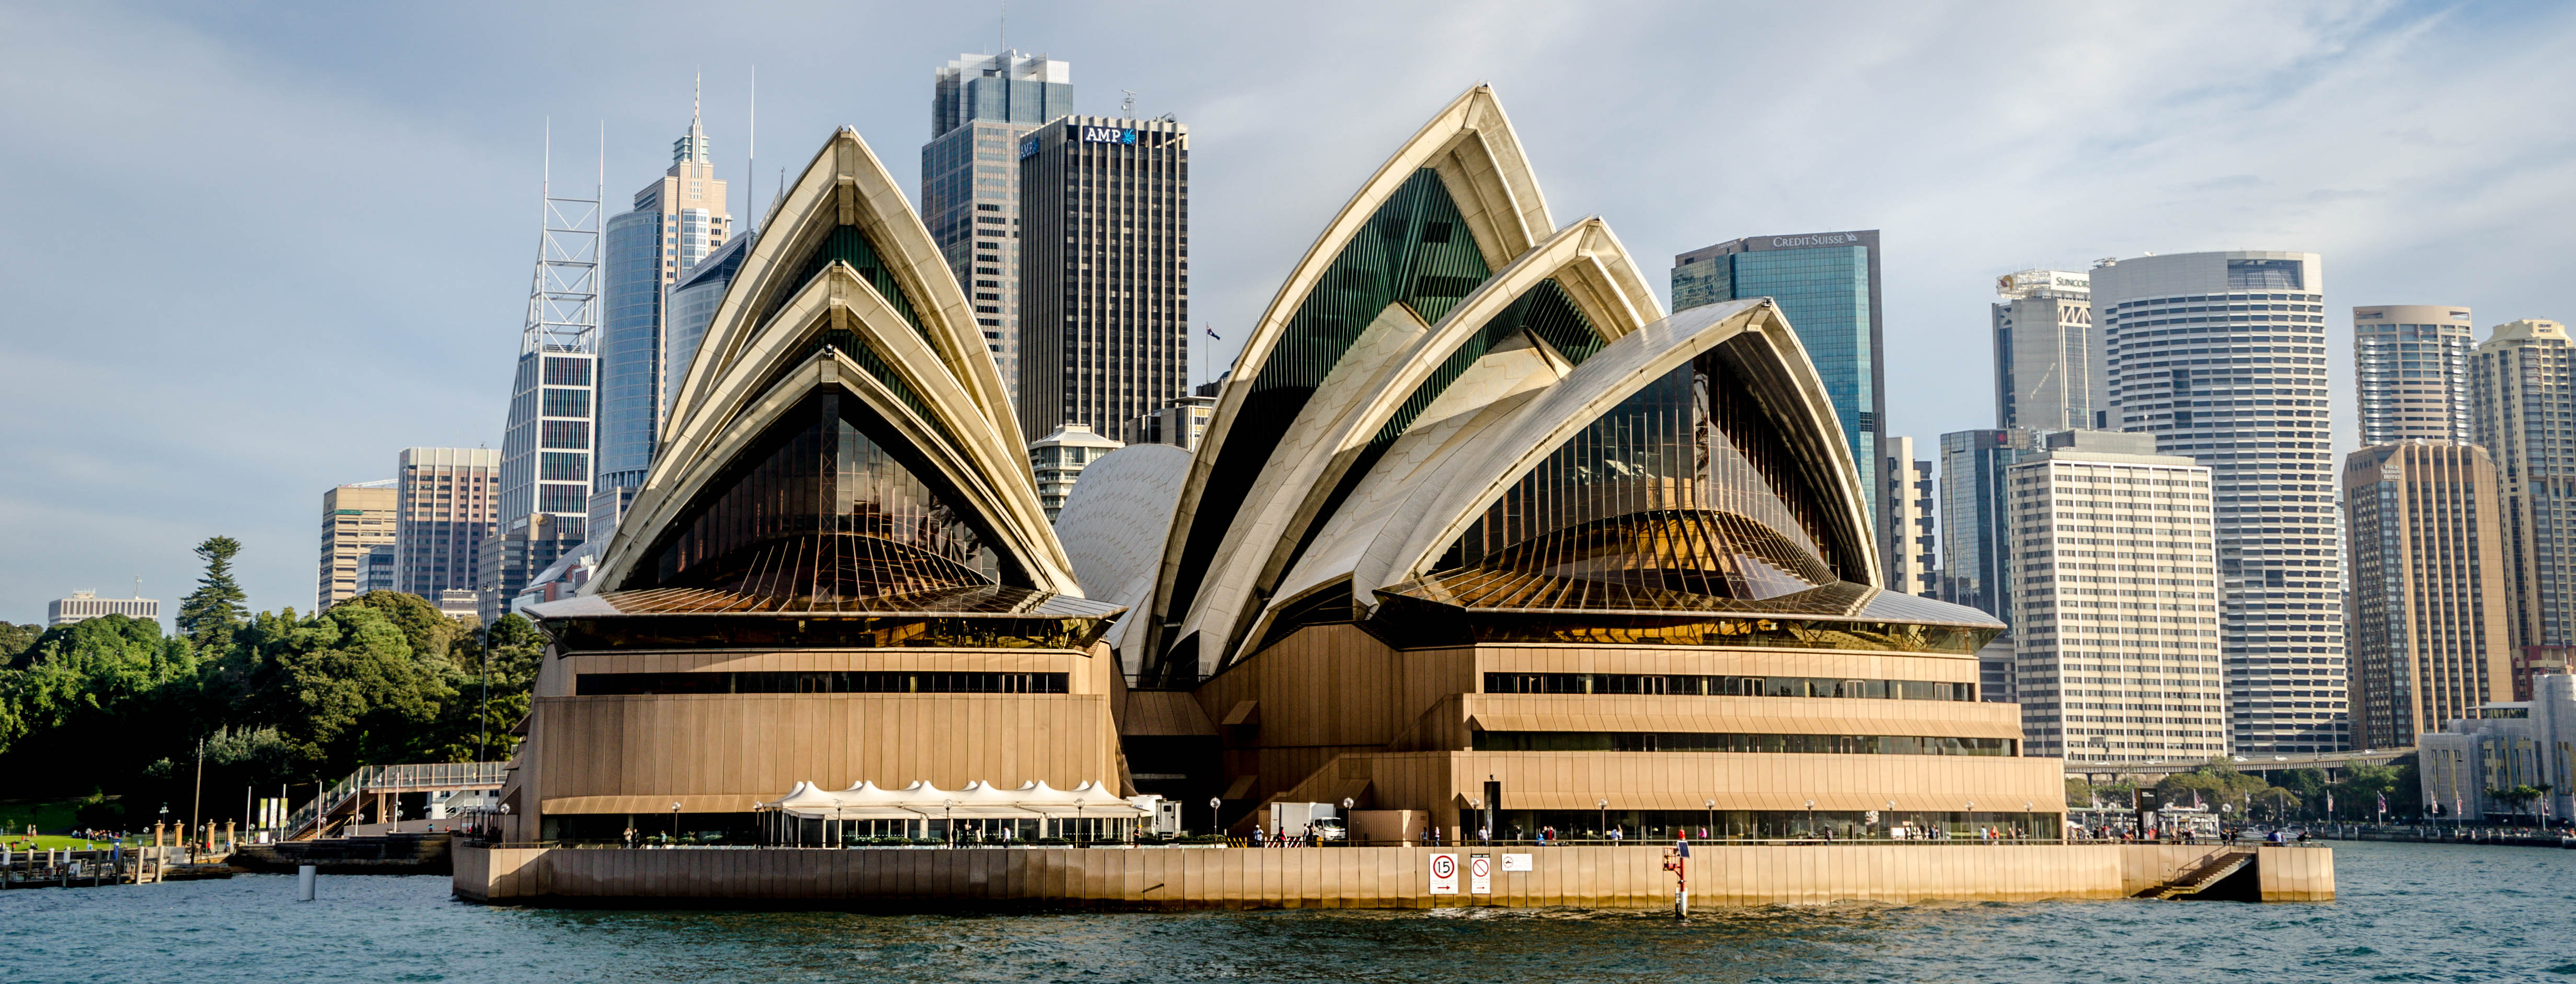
x=1685, y=486
x=829, y=504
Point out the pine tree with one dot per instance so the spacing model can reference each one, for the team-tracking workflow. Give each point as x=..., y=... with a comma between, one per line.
x=210, y=614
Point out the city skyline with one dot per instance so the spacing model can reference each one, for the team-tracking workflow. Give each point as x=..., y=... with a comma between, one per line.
x=2214, y=177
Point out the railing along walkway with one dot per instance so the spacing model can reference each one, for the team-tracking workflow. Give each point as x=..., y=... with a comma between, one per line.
x=343, y=796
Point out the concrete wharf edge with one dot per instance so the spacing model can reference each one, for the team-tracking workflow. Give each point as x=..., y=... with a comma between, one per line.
x=1628, y=877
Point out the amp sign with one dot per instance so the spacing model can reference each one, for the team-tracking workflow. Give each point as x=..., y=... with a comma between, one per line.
x=1107, y=135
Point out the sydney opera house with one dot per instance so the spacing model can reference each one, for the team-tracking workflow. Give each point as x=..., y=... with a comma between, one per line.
x=1479, y=537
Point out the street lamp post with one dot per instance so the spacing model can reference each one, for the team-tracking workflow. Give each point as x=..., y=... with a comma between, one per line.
x=1214, y=826
x=675, y=823
x=1604, y=806
x=1811, y=818
x=1711, y=829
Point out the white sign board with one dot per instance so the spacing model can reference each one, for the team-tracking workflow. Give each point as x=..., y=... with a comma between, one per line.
x=1516, y=862
x=1480, y=874
x=1444, y=874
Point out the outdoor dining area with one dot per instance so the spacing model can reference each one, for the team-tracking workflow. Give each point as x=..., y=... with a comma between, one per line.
x=924, y=815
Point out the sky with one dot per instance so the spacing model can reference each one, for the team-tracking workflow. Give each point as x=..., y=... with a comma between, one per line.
x=255, y=249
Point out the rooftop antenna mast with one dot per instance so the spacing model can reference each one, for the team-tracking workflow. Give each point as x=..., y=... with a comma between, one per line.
x=1127, y=106
x=751, y=159
x=563, y=299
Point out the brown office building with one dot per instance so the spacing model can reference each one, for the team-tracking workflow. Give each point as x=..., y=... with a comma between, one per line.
x=357, y=520
x=1477, y=537
x=2431, y=638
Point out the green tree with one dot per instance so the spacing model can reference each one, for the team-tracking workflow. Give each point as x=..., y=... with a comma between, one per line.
x=2357, y=796
x=17, y=641
x=210, y=614
x=346, y=689
x=95, y=699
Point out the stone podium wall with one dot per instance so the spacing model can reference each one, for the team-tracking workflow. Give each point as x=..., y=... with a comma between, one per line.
x=1348, y=877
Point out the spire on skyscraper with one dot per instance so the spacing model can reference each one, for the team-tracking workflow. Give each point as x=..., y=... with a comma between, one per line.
x=692, y=149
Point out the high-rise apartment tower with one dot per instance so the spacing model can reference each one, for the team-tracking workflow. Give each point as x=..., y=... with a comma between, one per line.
x=981, y=107
x=2115, y=611
x=2221, y=356
x=2523, y=411
x=2430, y=641
x=356, y=519
x=1827, y=283
x=446, y=501
x=1907, y=502
x=2045, y=370
x=676, y=221
x=2411, y=368
x=1104, y=272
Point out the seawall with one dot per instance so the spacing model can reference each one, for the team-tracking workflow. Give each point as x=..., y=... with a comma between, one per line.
x=1348, y=878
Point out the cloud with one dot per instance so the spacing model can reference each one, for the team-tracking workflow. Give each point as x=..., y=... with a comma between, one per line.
x=259, y=248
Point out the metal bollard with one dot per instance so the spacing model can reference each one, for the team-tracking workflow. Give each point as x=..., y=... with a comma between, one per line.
x=304, y=882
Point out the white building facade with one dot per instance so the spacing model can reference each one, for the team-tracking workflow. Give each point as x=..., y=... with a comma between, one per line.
x=2115, y=605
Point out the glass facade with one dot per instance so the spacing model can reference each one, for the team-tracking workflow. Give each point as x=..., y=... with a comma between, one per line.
x=1695, y=741
x=1686, y=485
x=1827, y=285
x=830, y=503
x=693, y=308
x=2523, y=389
x=546, y=451
x=1104, y=272
x=630, y=343
x=1976, y=542
x=1661, y=684
x=1415, y=250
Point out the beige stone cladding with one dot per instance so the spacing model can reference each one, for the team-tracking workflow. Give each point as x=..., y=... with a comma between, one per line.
x=724, y=752
x=1331, y=712
x=1367, y=877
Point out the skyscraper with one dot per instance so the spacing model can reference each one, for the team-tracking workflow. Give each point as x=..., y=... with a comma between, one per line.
x=1104, y=272
x=446, y=501
x=2045, y=363
x=2524, y=414
x=980, y=108
x=1907, y=504
x=356, y=519
x=2221, y=356
x=2115, y=614
x=2430, y=640
x=1976, y=521
x=1828, y=285
x=2411, y=368
x=676, y=221
x=693, y=307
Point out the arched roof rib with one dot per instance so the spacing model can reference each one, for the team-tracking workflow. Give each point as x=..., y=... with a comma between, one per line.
x=848, y=283
x=1453, y=491
x=1396, y=242
x=1382, y=386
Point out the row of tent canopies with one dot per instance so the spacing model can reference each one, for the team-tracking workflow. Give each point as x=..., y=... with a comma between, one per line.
x=978, y=800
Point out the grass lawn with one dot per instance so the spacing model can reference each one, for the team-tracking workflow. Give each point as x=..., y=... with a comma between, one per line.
x=50, y=842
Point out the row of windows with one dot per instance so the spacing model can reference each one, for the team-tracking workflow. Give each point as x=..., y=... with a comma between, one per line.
x=820, y=682
x=1725, y=686
x=1687, y=741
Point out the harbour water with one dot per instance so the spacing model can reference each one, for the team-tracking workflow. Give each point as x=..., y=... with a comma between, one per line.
x=2407, y=912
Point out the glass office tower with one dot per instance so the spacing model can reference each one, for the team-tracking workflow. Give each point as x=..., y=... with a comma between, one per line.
x=1828, y=285
x=980, y=107
x=677, y=220
x=1106, y=274
x=1976, y=558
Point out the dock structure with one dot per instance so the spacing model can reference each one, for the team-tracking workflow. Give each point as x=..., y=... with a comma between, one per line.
x=341, y=804
x=1622, y=877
